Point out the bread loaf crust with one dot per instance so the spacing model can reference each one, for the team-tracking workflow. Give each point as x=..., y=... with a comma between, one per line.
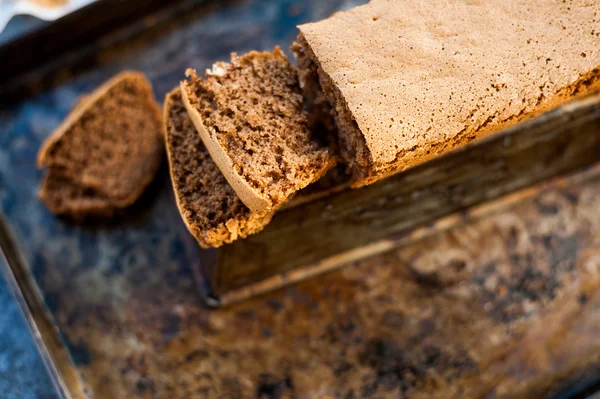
x=421, y=78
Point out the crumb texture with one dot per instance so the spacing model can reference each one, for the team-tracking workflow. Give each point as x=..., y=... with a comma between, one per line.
x=210, y=207
x=326, y=102
x=65, y=197
x=420, y=78
x=253, y=108
x=320, y=109
x=109, y=148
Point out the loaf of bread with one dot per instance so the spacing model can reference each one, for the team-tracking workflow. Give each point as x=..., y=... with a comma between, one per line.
x=250, y=115
x=210, y=209
x=106, y=152
x=407, y=80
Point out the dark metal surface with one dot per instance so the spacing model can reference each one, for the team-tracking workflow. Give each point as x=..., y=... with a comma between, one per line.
x=504, y=304
x=38, y=321
x=47, y=41
x=22, y=372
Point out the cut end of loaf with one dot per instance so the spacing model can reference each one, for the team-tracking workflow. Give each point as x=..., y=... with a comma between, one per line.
x=327, y=105
x=209, y=206
x=250, y=115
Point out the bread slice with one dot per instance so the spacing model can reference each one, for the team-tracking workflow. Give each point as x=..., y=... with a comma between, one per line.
x=210, y=208
x=106, y=152
x=408, y=80
x=250, y=116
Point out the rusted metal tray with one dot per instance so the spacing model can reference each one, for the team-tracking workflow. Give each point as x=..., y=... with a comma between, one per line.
x=495, y=300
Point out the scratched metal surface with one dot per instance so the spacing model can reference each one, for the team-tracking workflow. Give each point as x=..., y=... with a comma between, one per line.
x=22, y=373
x=505, y=305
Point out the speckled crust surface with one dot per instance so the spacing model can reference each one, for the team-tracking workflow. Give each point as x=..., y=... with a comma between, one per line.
x=505, y=305
x=419, y=78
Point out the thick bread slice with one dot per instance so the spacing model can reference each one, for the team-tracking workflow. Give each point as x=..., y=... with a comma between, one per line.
x=106, y=152
x=250, y=115
x=210, y=208
x=408, y=80
x=250, y=196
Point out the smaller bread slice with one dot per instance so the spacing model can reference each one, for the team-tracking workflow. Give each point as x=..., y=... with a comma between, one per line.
x=209, y=206
x=109, y=147
x=250, y=115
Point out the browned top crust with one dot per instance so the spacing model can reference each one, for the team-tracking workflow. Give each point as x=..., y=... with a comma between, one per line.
x=421, y=77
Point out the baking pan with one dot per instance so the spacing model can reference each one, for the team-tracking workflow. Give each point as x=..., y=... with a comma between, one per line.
x=496, y=300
